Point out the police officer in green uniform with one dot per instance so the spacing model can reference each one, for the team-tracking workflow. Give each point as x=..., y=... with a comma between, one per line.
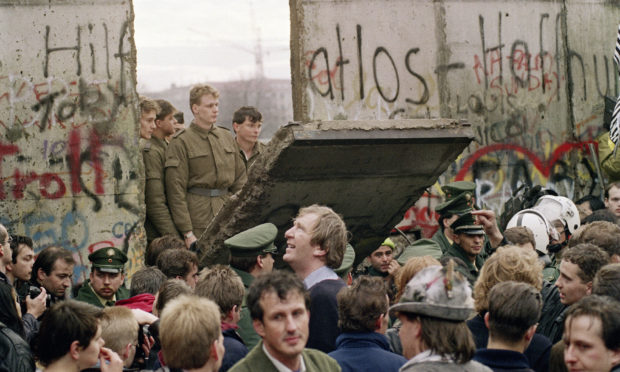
x=158, y=219
x=459, y=199
x=251, y=254
x=106, y=283
x=469, y=246
x=203, y=167
x=247, y=123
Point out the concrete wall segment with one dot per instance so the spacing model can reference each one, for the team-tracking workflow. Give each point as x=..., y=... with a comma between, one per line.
x=529, y=75
x=71, y=168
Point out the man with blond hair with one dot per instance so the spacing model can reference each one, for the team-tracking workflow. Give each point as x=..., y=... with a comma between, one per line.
x=203, y=167
x=315, y=246
x=119, y=330
x=190, y=334
x=148, y=111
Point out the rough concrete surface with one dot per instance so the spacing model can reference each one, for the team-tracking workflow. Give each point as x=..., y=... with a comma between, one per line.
x=370, y=172
x=71, y=170
x=530, y=76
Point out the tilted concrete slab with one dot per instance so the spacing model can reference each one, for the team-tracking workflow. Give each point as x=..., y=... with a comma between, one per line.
x=370, y=172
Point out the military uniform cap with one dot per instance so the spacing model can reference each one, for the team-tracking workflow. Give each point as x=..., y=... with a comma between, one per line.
x=419, y=248
x=347, y=260
x=108, y=259
x=460, y=204
x=456, y=188
x=253, y=242
x=467, y=224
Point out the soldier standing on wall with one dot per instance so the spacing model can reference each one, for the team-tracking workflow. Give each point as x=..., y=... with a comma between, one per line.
x=203, y=167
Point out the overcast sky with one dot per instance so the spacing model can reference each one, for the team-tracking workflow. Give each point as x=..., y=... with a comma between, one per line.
x=183, y=42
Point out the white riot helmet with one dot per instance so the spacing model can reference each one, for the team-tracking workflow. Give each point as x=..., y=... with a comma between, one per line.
x=559, y=208
x=542, y=229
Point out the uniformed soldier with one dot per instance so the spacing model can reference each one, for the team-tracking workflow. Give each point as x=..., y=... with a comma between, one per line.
x=420, y=248
x=459, y=200
x=158, y=220
x=106, y=283
x=344, y=271
x=247, y=123
x=468, y=247
x=251, y=254
x=203, y=167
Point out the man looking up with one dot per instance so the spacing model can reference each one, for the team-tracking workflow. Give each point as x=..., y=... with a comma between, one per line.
x=279, y=305
x=158, y=221
x=104, y=286
x=315, y=246
x=247, y=123
x=203, y=167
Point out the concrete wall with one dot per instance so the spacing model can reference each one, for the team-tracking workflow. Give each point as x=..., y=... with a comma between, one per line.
x=71, y=169
x=529, y=75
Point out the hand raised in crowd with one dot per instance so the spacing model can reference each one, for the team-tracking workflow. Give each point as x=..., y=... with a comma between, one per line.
x=487, y=219
x=109, y=361
x=394, y=266
x=36, y=306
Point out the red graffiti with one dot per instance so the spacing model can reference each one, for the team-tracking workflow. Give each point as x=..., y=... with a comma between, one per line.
x=51, y=184
x=544, y=167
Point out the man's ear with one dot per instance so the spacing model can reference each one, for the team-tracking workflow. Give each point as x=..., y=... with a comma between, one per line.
x=486, y=319
x=589, y=288
x=127, y=351
x=259, y=261
x=213, y=351
x=259, y=327
x=235, y=127
x=74, y=350
x=529, y=334
x=40, y=274
x=319, y=252
x=457, y=239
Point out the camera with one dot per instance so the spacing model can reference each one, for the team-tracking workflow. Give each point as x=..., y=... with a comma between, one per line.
x=34, y=291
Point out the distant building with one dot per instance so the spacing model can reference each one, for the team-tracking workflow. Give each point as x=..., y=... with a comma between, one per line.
x=272, y=97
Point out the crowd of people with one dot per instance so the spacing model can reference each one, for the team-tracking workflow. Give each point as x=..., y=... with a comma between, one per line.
x=538, y=294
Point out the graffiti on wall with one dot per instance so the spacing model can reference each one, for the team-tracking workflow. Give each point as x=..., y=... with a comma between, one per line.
x=68, y=153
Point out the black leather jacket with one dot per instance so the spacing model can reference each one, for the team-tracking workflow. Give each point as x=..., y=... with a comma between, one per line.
x=15, y=352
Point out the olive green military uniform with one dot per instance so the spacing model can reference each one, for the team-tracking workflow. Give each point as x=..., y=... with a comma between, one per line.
x=203, y=168
x=259, y=147
x=158, y=219
x=466, y=224
x=108, y=260
x=459, y=200
x=249, y=244
x=420, y=248
x=86, y=294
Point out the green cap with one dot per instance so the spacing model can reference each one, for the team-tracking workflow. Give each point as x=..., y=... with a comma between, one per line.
x=108, y=259
x=388, y=243
x=253, y=242
x=419, y=248
x=347, y=260
x=460, y=204
x=467, y=224
x=454, y=189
